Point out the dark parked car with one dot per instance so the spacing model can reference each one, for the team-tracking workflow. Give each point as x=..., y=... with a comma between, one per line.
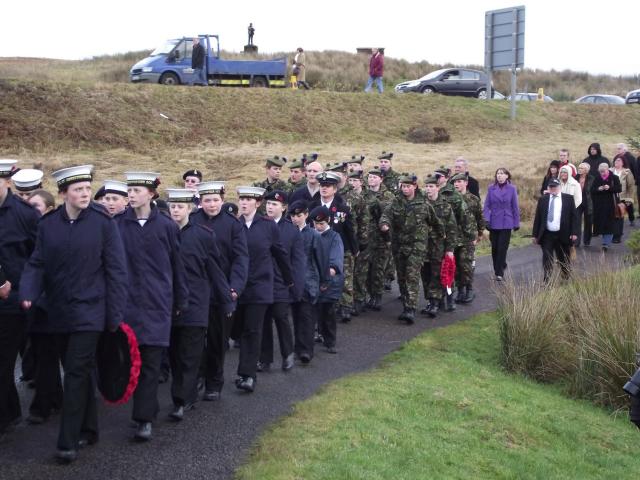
x=633, y=97
x=600, y=99
x=529, y=97
x=449, y=81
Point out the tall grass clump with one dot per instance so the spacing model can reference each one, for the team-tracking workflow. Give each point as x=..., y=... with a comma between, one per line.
x=584, y=334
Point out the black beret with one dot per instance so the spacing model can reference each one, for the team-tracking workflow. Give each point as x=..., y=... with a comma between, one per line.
x=297, y=207
x=100, y=193
x=230, y=207
x=192, y=173
x=320, y=214
x=277, y=196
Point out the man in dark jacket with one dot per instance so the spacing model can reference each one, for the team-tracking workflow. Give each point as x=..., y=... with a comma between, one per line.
x=207, y=284
x=462, y=166
x=157, y=288
x=555, y=228
x=79, y=264
x=234, y=256
x=595, y=158
x=376, y=70
x=197, y=63
x=311, y=190
x=18, y=227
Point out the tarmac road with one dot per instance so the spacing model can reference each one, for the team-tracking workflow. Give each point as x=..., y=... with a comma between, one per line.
x=215, y=438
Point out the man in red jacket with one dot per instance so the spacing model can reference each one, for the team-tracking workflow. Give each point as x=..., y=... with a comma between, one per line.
x=376, y=68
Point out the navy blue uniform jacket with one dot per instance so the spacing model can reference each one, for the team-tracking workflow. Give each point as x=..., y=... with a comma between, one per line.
x=80, y=266
x=333, y=253
x=314, y=257
x=232, y=242
x=341, y=221
x=293, y=244
x=18, y=228
x=206, y=281
x=157, y=282
x=265, y=246
x=303, y=193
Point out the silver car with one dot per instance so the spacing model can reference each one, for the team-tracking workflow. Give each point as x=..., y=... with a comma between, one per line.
x=601, y=99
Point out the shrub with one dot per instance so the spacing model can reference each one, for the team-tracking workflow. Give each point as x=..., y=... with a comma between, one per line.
x=633, y=244
x=426, y=134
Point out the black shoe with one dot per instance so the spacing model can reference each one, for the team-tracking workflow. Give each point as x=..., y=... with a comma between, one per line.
x=469, y=295
x=87, y=440
x=177, y=414
x=375, y=303
x=211, y=395
x=605, y=248
x=402, y=317
x=425, y=310
x=35, y=419
x=410, y=316
x=387, y=285
x=432, y=309
x=317, y=338
x=144, y=432
x=331, y=350
x=66, y=456
x=305, y=358
x=263, y=367
x=461, y=295
x=287, y=362
x=345, y=316
x=358, y=308
x=248, y=384
x=450, y=304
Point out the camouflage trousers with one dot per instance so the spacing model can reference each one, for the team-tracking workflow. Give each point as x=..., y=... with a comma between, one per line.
x=430, y=273
x=389, y=270
x=369, y=272
x=408, y=271
x=465, y=256
x=361, y=272
x=346, y=301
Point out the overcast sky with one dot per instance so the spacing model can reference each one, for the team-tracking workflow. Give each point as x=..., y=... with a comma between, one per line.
x=598, y=37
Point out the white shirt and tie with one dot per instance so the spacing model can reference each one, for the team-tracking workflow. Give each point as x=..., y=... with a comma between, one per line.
x=553, y=216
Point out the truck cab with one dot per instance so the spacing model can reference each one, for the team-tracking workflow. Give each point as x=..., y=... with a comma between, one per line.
x=170, y=64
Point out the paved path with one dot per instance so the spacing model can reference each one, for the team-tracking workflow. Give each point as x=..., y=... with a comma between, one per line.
x=215, y=438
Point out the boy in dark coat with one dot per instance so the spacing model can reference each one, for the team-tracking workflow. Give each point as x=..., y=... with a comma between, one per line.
x=79, y=264
x=157, y=288
x=265, y=248
x=330, y=293
x=207, y=284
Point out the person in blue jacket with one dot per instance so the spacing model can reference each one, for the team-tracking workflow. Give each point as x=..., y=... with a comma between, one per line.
x=313, y=276
x=207, y=284
x=283, y=296
x=18, y=227
x=234, y=257
x=78, y=263
x=333, y=255
x=156, y=290
x=265, y=248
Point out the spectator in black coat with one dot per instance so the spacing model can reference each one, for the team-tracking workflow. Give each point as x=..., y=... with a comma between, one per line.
x=552, y=172
x=594, y=159
x=197, y=63
x=604, y=191
x=462, y=166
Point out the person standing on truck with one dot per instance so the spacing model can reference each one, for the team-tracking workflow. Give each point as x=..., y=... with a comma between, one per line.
x=376, y=69
x=197, y=63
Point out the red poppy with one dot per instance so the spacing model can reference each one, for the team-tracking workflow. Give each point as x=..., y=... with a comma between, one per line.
x=334, y=209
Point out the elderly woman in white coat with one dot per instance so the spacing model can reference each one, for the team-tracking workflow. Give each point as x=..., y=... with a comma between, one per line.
x=570, y=185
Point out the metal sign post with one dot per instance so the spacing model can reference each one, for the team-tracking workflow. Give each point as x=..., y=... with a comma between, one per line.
x=504, y=46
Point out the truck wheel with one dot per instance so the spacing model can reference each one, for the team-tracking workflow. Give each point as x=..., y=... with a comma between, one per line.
x=259, y=82
x=169, y=78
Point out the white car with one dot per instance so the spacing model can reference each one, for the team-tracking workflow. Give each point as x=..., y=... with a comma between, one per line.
x=633, y=97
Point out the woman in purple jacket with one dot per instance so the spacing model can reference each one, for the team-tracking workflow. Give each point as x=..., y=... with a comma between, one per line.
x=502, y=215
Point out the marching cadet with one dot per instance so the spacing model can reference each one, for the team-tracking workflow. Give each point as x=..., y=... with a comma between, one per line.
x=116, y=197
x=410, y=218
x=311, y=191
x=18, y=227
x=79, y=264
x=390, y=176
x=205, y=279
x=313, y=276
x=439, y=244
x=378, y=253
x=360, y=208
x=465, y=266
x=296, y=178
x=464, y=219
x=234, y=256
x=157, y=288
x=265, y=251
x=332, y=256
x=283, y=296
x=341, y=221
x=26, y=181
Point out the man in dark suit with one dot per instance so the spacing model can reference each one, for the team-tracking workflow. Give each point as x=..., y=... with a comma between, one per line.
x=197, y=63
x=555, y=228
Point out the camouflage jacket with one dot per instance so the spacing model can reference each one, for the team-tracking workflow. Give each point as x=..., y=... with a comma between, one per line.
x=475, y=208
x=292, y=187
x=269, y=187
x=411, y=222
x=448, y=241
x=464, y=219
x=360, y=213
x=376, y=204
x=390, y=180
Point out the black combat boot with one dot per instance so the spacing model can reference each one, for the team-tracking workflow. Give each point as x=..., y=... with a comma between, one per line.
x=469, y=295
x=432, y=308
x=345, y=314
x=461, y=294
x=358, y=307
x=450, y=304
x=403, y=315
x=410, y=316
x=376, y=303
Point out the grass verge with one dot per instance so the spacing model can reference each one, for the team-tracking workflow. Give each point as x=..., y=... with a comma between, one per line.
x=441, y=407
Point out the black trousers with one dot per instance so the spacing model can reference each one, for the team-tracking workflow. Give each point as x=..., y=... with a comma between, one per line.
x=251, y=318
x=79, y=409
x=499, y=245
x=277, y=313
x=217, y=345
x=145, y=398
x=586, y=220
x=303, y=327
x=12, y=328
x=185, y=353
x=49, y=350
x=326, y=315
x=552, y=246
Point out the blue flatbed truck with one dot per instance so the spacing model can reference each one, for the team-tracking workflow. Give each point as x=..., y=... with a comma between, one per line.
x=170, y=64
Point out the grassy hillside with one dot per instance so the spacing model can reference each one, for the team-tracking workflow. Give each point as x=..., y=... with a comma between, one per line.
x=327, y=70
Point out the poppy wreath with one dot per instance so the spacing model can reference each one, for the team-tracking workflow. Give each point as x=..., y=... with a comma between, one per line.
x=119, y=362
x=136, y=363
x=447, y=271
